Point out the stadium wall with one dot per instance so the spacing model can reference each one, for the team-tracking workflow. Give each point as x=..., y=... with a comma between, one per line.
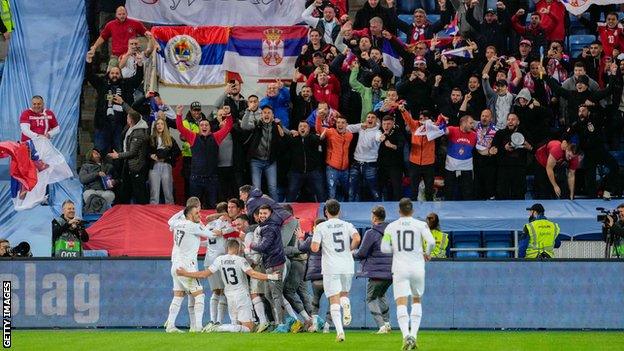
x=513, y=294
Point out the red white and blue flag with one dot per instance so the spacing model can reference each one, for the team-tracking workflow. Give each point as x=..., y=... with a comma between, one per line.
x=265, y=52
x=391, y=58
x=191, y=56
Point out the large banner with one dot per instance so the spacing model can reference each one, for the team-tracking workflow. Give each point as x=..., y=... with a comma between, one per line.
x=577, y=7
x=265, y=52
x=191, y=56
x=217, y=12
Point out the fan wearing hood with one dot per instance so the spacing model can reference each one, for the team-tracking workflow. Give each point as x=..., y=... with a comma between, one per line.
x=535, y=118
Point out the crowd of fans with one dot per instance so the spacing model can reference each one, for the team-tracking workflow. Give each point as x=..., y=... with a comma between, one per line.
x=471, y=115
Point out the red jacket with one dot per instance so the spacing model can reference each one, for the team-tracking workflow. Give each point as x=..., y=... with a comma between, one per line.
x=558, y=11
x=330, y=93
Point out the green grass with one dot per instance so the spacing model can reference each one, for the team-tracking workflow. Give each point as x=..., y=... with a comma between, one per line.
x=93, y=340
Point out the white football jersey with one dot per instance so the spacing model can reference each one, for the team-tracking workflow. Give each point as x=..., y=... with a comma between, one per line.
x=215, y=245
x=404, y=238
x=232, y=269
x=186, y=240
x=334, y=235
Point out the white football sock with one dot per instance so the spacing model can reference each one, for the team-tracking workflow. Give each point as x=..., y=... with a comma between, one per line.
x=305, y=315
x=222, y=308
x=191, y=311
x=416, y=316
x=403, y=319
x=174, y=308
x=214, y=306
x=199, y=311
x=336, y=318
x=232, y=328
x=259, y=308
x=289, y=309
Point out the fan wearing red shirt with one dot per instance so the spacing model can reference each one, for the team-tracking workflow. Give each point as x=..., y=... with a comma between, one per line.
x=558, y=11
x=325, y=87
x=556, y=154
x=38, y=122
x=119, y=30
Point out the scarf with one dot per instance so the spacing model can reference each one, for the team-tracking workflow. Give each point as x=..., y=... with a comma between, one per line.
x=529, y=83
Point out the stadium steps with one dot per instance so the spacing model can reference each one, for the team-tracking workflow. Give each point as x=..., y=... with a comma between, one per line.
x=86, y=127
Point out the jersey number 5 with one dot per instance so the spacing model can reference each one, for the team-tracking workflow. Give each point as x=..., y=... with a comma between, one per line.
x=231, y=279
x=338, y=240
x=407, y=242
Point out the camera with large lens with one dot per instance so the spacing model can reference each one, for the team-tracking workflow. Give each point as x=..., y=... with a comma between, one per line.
x=603, y=214
x=21, y=250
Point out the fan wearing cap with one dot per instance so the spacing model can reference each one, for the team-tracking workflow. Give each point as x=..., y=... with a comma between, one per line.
x=499, y=101
x=494, y=30
x=191, y=122
x=551, y=158
x=511, y=160
x=582, y=94
x=540, y=237
x=204, y=146
x=610, y=33
x=536, y=30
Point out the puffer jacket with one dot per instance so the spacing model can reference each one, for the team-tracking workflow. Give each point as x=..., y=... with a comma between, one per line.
x=135, y=147
x=313, y=268
x=257, y=199
x=375, y=264
x=270, y=246
x=89, y=170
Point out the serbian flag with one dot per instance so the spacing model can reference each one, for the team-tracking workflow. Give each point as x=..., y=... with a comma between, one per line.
x=459, y=52
x=266, y=52
x=191, y=56
x=391, y=59
x=451, y=29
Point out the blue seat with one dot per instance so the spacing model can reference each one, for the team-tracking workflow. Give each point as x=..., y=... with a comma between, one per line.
x=467, y=245
x=588, y=237
x=578, y=41
x=408, y=6
x=403, y=37
x=95, y=253
x=466, y=237
x=433, y=18
x=498, y=244
x=406, y=18
x=497, y=236
x=619, y=157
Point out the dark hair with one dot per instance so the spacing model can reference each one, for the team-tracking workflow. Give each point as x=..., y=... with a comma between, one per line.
x=233, y=244
x=265, y=207
x=243, y=217
x=621, y=205
x=266, y=106
x=433, y=221
x=332, y=207
x=387, y=118
x=221, y=207
x=188, y=209
x=579, y=64
x=134, y=116
x=405, y=206
x=238, y=202
x=379, y=212
x=574, y=148
x=289, y=208
x=68, y=201
x=245, y=189
x=319, y=221
x=37, y=97
x=252, y=95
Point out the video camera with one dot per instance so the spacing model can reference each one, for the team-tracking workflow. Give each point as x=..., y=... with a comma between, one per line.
x=604, y=214
x=21, y=250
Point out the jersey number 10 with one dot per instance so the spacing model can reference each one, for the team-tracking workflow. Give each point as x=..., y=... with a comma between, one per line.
x=405, y=240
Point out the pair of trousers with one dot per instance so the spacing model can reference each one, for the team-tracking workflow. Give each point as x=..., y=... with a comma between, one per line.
x=458, y=179
x=426, y=173
x=276, y=292
x=134, y=188
x=312, y=181
x=590, y=162
x=317, y=293
x=205, y=188
x=295, y=290
x=269, y=170
x=160, y=176
x=376, y=300
x=484, y=176
x=390, y=187
x=367, y=172
x=337, y=178
x=511, y=182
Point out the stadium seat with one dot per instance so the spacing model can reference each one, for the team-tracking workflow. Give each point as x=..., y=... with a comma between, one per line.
x=406, y=18
x=619, y=157
x=433, y=18
x=466, y=237
x=588, y=237
x=467, y=254
x=408, y=6
x=403, y=37
x=577, y=42
x=497, y=236
x=497, y=254
x=95, y=253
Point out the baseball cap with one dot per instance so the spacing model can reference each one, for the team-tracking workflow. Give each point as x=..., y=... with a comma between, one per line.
x=420, y=59
x=537, y=208
x=195, y=105
x=490, y=10
x=525, y=42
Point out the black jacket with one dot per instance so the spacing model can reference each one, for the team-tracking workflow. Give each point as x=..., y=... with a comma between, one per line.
x=590, y=134
x=575, y=99
x=388, y=157
x=301, y=109
x=136, y=144
x=60, y=225
x=254, y=141
x=167, y=154
x=535, y=121
x=494, y=34
x=516, y=157
x=364, y=15
x=305, y=153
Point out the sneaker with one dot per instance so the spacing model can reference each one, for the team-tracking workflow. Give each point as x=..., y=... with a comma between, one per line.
x=281, y=329
x=289, y=321
x=606, y=195
x=308, y=324
x=210, y=328
x=321, y=324
x=262, y=327
x=346, y=316
x=296, y=327
x=171, y=328
x=384, y=329
x=326, y=328
x=195, y=330
x=409, y=343
x=340, y=337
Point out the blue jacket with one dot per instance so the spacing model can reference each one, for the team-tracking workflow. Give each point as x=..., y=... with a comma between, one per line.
x=279, y=103
x=313, y=268
x=375, y=264
x=257, y=199
x=270, y=246
x=523, y=240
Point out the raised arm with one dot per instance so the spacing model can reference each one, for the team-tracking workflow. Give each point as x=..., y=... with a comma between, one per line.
x=223, y=132
x=186, y=133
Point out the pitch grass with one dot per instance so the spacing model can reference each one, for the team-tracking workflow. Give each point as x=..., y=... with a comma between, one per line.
x=118, y=340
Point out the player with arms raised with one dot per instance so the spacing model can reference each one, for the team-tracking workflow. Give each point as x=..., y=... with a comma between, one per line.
x=187, y=234
x=404, y=239
x=232, y=269
x=338, y=238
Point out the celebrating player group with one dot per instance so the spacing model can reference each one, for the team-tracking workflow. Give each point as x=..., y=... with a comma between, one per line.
x=257, y=256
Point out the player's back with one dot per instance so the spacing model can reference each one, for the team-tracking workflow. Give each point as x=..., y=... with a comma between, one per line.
x=335, y=238
x=407, y=235
x=232, y=270
x=186, y=241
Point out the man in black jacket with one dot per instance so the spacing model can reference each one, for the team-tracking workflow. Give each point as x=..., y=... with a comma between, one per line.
x=589, y=129
x=112, y=91
x=373, y=8
x=390, y=160
x=303, y=103
x=494, y=30
x=68, y=233
x=305, y=168
x=512, y=161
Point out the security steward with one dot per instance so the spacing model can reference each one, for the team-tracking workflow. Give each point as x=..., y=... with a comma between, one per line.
x=441, y=238
x=540, y=236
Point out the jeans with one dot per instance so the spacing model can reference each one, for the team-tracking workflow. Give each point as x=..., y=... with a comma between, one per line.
x=258, y=167
x=134, y=188
x=109, y=137
x=484, y=176
x=390, y=186
x=313, y=181
x=461, y=179
x=511, y=182
x=276, y=290
x=376, y=300
x=295, y=290
x=205, y=188
x=590, y=162
x=426, y=173
x=337, y=178
x=161, y=174
x=368, y=171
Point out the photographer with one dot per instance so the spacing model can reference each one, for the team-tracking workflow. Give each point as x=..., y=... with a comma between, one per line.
x=21, y=250
x=614, y=223
x=68, y=233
